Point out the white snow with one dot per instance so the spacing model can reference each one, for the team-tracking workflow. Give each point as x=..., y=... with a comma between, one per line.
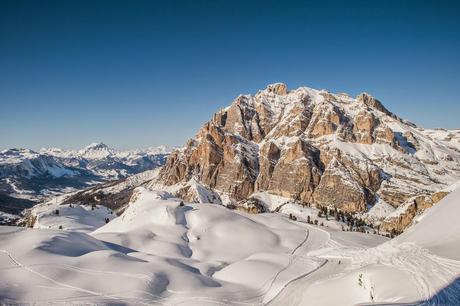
x=71, y=217
x=378, y=212
x=157, y=252
x=205, y=254
x=438, y=229
x=421, y=266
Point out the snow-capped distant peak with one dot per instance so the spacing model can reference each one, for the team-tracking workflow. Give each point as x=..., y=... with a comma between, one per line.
x=97, y=146
x=96, y=150
x=81, y=168
x=13, y=156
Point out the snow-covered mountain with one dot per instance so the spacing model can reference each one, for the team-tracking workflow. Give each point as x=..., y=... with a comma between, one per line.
x=321, y=149
x=34, y=175
x=109, y=163
x=338, y=173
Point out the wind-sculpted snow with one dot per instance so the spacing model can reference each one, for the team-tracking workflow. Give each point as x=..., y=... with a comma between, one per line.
x=159, y=252
x=162, y=252
x=79, y=218
x=156, y=252
x=420, y=267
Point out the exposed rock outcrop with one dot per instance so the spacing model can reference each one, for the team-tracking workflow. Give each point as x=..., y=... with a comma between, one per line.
x=316, y=147
x=402, y=218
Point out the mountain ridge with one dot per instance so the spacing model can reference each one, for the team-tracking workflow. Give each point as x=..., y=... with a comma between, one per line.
x=319, y=148
x=34, y=175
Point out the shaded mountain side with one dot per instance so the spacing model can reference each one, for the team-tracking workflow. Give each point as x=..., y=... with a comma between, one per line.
x=114, y=195
x=13, y=205
x=95, y=196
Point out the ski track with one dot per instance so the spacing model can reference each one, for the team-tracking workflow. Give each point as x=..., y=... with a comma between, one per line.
x=246, y=301
x=292, y=260
x=101, y=294
x=407, y=257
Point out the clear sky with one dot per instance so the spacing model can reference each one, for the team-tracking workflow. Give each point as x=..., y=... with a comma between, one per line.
x=137, y=74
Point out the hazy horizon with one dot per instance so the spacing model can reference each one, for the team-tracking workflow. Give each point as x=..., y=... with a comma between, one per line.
x=136, y=75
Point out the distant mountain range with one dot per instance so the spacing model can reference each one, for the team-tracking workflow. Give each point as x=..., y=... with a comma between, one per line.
x=32, y=175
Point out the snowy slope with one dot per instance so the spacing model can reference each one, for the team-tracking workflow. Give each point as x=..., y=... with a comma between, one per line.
x=79, y=218
x=158, y=252
x=420, y=267
x=438, y=229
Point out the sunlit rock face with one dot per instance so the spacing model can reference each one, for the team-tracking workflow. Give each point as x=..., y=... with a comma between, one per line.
x=316, y=147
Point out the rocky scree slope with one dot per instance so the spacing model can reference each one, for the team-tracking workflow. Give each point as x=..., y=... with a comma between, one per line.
x=318, y=148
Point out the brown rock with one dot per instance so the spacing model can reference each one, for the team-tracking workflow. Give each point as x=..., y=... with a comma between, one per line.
x=277, y=88
x=295, y=174
x=364, y=124
x=337, y=188
x=373, y=103
x=415, y=206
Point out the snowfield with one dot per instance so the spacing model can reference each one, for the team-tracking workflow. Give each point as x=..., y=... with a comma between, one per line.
x=159, y=252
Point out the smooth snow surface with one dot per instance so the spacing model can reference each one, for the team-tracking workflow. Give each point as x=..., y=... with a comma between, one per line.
x=79, y=218
x=420, y=267
x=438, y=229
x=161, y=253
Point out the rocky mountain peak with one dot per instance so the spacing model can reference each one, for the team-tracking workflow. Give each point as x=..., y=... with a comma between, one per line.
x=277, y=88
x=314, y=146
x=96, y=150
x=373, y=103
x=97, y=146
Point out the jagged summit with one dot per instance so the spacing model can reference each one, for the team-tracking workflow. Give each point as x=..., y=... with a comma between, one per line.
x=317, y=147
x=96, y=146
x=96, y=150
x=277, y=88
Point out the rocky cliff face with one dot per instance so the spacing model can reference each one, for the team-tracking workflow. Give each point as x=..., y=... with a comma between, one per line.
x=316, y=147
x=398, y=221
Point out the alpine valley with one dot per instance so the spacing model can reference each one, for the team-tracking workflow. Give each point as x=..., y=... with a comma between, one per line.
x=28, y=177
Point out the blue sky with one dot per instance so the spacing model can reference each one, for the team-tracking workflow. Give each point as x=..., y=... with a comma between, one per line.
x=143, y=73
